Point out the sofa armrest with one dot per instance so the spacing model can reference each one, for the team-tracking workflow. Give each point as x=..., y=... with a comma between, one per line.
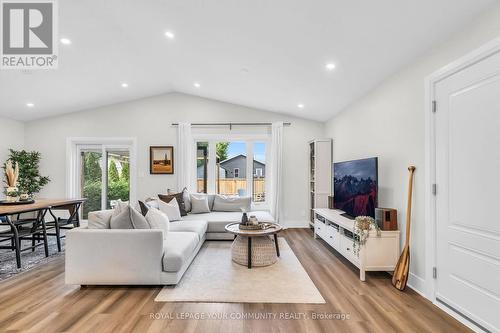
x=113, y=256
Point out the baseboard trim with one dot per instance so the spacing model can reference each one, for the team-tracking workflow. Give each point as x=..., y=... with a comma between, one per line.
x=295, y=224
x=460, y=318
x=416, y=283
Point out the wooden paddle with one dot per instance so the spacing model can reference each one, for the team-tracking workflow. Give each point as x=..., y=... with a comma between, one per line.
x=400, y=276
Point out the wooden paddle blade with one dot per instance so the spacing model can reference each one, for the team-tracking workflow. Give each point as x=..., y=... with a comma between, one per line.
x=400, y=277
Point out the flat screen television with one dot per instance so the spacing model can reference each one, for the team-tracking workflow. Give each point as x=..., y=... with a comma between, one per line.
x=355, y=187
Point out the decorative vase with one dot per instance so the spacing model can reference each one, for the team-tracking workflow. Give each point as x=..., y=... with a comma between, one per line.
x=244, y=218
x=253, y=220
x=12, y=194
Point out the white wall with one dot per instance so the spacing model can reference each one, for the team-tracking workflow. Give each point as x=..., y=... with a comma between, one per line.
x=149, y=120
x=389, y=123
x=11, y=137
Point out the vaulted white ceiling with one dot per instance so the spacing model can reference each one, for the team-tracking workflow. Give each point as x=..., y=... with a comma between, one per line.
x=259, y=53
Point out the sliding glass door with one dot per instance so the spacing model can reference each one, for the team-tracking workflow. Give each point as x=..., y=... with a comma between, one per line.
x=91, y=179
x=118, y=176
x=104, y=175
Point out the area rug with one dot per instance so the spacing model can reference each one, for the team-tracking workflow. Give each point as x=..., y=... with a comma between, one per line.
x=213, y=277
x=29, y=260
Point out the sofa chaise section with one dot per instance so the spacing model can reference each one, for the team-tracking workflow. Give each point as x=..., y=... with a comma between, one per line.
x=131, y=256
x=218, y=220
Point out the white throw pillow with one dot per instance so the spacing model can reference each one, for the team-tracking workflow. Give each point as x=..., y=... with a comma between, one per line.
x=199, y=205
x=171, y=209
x=100, y=219
x=152, y=203
x=224, y=203
x=158, y=220
x=210, y=198
x=187, y=200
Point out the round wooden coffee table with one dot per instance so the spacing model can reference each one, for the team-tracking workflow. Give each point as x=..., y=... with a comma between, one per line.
x=245, y=237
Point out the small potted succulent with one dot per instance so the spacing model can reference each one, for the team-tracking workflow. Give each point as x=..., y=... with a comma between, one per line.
x=362, y=227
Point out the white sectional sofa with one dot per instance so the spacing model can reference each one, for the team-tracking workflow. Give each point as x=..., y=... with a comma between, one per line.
x=141, y=256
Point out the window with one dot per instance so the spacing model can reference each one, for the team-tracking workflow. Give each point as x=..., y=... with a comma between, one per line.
x=231, y=161
x=259, y=165
x=201, y=167
x=223, y=167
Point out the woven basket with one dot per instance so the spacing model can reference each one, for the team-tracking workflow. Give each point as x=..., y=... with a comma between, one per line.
x=263, y=251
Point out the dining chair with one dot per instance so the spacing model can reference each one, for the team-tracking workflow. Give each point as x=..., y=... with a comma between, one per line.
x=29, y=229
x=58, y=223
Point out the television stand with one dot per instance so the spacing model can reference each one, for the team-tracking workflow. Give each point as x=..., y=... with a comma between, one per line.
x=377, y=254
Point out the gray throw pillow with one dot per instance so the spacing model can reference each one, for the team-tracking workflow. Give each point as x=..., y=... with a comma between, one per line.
x=121, y=220
x=223, y=203
x=199, y=204
x=138, y=220
x=129, y=218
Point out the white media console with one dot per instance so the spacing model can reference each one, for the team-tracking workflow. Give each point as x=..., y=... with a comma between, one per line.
x=380, y=253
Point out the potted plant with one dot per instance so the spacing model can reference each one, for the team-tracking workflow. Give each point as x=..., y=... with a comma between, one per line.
x=29, y=180
x=362, y=227
x=11, y=177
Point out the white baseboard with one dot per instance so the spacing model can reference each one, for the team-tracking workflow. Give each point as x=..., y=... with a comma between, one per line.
x=461, y=319
x=416, y=283
x=295, y=224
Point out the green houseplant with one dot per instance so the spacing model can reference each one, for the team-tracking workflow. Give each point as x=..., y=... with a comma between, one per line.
x=30, y=180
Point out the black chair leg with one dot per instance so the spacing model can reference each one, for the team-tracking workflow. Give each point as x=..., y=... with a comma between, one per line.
x=44, y=231
x=58, y=235
x=17, y=245
x=33, y=243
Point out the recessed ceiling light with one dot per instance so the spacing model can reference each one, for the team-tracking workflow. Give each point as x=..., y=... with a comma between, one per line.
x=124, y=85
x=330, y=66
x=65, y=41
x=197, y=84
x=300, y=106
x=30, y=105
x=169, y=34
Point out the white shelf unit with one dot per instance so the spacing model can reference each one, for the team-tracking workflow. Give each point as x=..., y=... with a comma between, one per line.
x=320, y=174
x=377, y=254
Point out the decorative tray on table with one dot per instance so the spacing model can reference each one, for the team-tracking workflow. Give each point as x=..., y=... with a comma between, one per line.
x=260, y=226
x=13, y=203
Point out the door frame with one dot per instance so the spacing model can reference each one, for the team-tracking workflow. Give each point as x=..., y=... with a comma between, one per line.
x=431, y=81
x=72, y=158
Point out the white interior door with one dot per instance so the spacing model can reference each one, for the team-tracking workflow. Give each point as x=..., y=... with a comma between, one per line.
x=468, y=191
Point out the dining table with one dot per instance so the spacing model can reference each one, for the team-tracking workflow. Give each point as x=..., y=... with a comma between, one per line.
x=37, y=225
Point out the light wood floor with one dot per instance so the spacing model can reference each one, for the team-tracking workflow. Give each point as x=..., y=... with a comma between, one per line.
x=39, y=301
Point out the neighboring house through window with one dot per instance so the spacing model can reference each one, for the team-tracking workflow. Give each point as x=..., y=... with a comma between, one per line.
x=233, y=165
x=258, y=172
